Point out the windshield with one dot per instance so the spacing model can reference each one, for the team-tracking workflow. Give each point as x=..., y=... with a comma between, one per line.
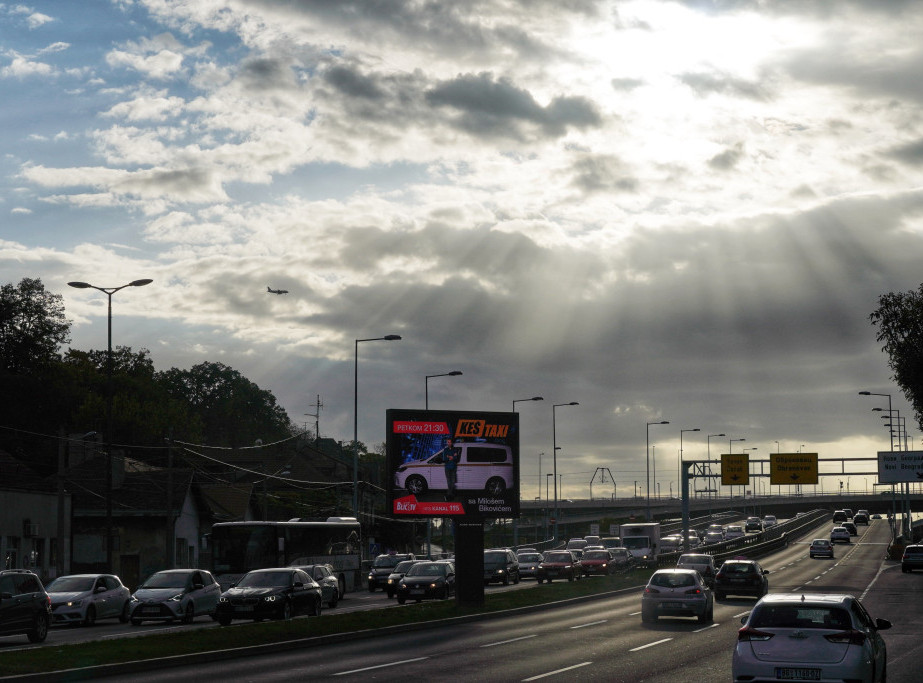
x=426, y=569
x=386, y=561
x=166, y=580
x=530, y=557
x=693, y=559
x=495, y=558
x=266, y=580
x=403, y=566
x=800, y=616
x=71, y=584
x=558, y=557
x=636, y=542
x=596, y=555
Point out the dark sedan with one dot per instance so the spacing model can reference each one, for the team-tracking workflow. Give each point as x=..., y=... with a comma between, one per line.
x=270, y=594
x=741, y=577
x=559, y=564
x=427, y=581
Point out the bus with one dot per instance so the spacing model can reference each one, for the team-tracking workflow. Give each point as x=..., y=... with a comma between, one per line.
x=238, y=547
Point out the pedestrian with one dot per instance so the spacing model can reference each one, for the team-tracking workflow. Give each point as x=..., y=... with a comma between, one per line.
x=450, y=457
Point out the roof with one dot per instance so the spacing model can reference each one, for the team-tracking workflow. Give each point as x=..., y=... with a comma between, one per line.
x=829, y=598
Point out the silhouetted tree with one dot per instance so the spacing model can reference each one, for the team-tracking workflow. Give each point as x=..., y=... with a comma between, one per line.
x=899, y=318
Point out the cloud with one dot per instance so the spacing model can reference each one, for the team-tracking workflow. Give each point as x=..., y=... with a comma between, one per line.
x=727, y=159
x=23, y=67
x=704, y=84
x=910, y=153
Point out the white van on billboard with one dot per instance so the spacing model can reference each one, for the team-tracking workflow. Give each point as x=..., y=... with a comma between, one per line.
x=484, y=467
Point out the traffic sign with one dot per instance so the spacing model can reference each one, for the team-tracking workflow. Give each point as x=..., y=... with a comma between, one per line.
x=895, y=467
x=793, y=468
x=735, y=469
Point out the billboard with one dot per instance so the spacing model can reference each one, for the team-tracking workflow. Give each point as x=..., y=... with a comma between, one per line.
x=450, y=463
x=793, y=468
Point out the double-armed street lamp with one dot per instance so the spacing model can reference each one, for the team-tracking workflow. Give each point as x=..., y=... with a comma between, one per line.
x=453, y=373
x=554, y=443
x=387, y=337
x=109, y=291
x=648, y=450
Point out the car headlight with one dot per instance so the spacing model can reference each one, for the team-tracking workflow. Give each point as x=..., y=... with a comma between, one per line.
x=223, y=599
x=371, y=576
x=271, y=598
x=499, y=571
x=74, y=603
x=390, y=581
x=177, y=597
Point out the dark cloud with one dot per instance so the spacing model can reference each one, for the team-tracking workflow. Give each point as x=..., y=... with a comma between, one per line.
x=727, y=159
x=704, y=84
x=603, y=173
x=910, y=153
x=491, y=107
x=353, y=83
x=267, y=74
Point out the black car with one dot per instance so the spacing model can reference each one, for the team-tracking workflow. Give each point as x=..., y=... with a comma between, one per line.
x=394, y=578
x=753, y=524
x=25, y=607
x=381, y=569
x=741, y=577
x=427, y=580
x=270, y=594
x=501, y=565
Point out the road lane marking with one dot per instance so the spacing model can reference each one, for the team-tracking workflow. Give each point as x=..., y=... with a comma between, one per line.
x=699, y=630
x=559, y=671
x=742, y=614
x=592, y=623
x=511, y=640
x=657, y=642
x=381, y=666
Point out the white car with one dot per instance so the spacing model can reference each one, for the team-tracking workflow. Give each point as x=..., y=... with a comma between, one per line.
x=810, y=637
x=734, y=531
x=482, y=467
x=713, y=537
x=840, y=533
x=84, y=598
x=769, y=520
x=175, y=594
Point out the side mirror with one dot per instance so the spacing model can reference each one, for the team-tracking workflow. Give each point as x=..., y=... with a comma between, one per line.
x=99, y=589
x=765, y=571
x=298, y=584
x=882, y=624
x=197, y=585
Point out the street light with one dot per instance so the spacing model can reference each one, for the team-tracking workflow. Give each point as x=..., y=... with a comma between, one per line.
x=109, y=291
x=454, y=373
x=520, y=400
x=387, y=337
x=554, y=443
x=648, y=450
x=679, y=465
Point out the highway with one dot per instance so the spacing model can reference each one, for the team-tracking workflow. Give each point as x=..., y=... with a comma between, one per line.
x=602, y=639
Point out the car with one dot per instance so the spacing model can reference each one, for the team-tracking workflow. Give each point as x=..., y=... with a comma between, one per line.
x=276, y=593
x=840, y=533
x=576, y=544
x=851, y=528
x=693, y=541
x=325, y=576
x=734, y=531
x=821, y=547
x=741, y=577
x=912, y=558
x=861, y=517
x=382, y=566
x=398, y=573
x=810, y=637
x=427, y=580
x=769, y=520
x=621, y=558
x=173, y=594
x=848, y=512
x=753, y=524
x=84, y=598
x=703, y=564
x=671, y=543
x=501, y=565
x=610, y=542
x=528, y=563
x=715, y=528
x=592, y=540
x=25, y=608
x=839, y=516
x=558, y=564
x=484, y=467
x=596, y=562
x=713, y=537
x=676, y=593
x=876, y=516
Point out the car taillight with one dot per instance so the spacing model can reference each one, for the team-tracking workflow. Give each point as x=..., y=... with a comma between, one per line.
x=651, y=590
x=851, y=637
x=693, y=591
x=747, y=634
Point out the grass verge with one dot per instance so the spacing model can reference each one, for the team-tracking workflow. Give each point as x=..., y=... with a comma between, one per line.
x=244, y=634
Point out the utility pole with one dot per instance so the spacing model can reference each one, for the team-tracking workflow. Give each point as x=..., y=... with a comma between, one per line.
x=316, y=415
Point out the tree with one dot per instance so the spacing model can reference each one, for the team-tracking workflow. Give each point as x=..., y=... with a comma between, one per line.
x=899, y=318
x=32, y=327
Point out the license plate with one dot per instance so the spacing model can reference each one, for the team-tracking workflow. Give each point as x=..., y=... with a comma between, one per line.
x=151, y=610
x=244, y=608
x=673, y=605
x=417, y=591
x=788, y=674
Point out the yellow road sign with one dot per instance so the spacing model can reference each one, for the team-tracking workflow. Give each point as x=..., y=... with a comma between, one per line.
x=793, y=468
x=735, y=469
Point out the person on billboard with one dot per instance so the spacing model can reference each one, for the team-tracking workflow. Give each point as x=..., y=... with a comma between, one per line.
x=450, y=458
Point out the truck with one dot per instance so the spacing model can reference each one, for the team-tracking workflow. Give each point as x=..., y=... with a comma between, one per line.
x=642, y=540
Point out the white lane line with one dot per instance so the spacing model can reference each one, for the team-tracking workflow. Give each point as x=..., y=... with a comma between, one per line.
x=381, y=666
x=699, y=630
x=511, y=640
x=742, y=614
x=559, y=671
x=633, y=614
x=592, y=623
x=657, y=642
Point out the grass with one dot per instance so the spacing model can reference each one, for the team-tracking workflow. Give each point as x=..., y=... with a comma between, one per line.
x=245, y=634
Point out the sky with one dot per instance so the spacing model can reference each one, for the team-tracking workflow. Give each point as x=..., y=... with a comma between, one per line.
x=678, y=211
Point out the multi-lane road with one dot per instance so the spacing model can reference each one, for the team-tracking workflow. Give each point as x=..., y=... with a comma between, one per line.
x=600, y=639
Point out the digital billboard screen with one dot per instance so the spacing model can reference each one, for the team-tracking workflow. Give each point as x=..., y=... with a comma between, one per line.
x=459, y=464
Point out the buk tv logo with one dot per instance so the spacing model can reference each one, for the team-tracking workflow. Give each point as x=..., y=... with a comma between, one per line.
x=480, y=429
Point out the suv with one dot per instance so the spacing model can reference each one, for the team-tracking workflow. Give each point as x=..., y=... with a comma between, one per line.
x=24, y=605
x=754, y=524
x=501, y=565
x=912, y=558
x=381, y=569
x=839, y=516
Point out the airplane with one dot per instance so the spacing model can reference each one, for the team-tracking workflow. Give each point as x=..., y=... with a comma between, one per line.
x=276, y=291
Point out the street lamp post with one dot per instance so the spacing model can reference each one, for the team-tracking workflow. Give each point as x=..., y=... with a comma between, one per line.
x=890, y=412
x=109, y=291
x=387, y=337
x=648, y=451
x=554, y=443
x=522, y=400
x=453, y=373
x=679, y=465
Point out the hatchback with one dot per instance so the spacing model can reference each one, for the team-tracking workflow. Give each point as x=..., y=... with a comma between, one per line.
x=427, y=580
x=861, y=517
x=912, y=558
x=596, y=562
x=810, y=637
x=851, y=528
x=703, y=564
x=399, y=572
x=280, y=593
x=840, y=533
x=769, y=520
x=558, y=564
x=528, y=563
x=84, y=598
x=741, y=577
x=175, y=594
x=676, y=593
x=821, y=547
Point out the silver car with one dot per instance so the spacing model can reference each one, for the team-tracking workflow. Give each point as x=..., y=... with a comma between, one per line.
x=528, y=564
x=676, y=593
x=173, y=594
x=84, y=598
x=810, y=637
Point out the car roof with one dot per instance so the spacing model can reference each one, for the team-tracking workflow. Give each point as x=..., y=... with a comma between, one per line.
x=800, y=598
x=675, y=570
